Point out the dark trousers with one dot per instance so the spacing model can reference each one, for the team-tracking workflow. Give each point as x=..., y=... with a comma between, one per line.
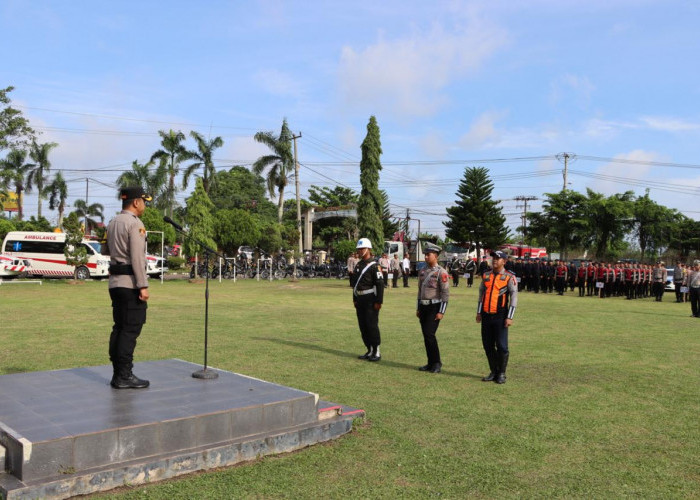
x=679, y=295
x=405, y=278
x=561, y=285
x=590, y=286
x=455, y=278
x=470, y=280
x=581, y=288
x=395, y=279
x=494, y=337
x=129, y=314
x=368, y=320
x=385, y=274
x=429, y=326
x=695, y=301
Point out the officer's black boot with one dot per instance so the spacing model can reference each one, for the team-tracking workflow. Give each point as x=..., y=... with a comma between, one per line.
x=375, y=355
x=503, y=363
x=367, y=354
x=492, y=366
x=125, y=379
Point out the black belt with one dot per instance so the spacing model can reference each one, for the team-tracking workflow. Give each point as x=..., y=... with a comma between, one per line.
x=117, y=269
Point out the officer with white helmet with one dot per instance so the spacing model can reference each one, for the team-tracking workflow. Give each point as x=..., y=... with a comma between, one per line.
x=368, y=295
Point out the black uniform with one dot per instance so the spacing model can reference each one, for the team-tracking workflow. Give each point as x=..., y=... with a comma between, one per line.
x=368, y=291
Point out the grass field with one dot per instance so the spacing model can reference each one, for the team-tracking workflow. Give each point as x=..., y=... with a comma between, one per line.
x=602, y=398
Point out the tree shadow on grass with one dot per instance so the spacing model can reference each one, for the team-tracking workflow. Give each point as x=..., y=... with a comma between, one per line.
x=349, y=355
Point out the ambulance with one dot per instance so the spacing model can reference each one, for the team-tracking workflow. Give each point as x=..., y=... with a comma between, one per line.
x=45, y=252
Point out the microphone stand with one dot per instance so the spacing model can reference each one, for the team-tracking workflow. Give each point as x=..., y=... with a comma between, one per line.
x=204, y=373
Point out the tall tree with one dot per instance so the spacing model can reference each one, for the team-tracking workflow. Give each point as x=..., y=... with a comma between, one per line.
x=199, y=220
x=562, y=222
x=13, y=170
x=57, y=192
x=37, y=175
x=651, y=222
x=204, y=159
x=609, y=219
x=476, y=216
x=152, y=181
x=279, y=164
x=172, y=154
x=241, y=188
x=371, y=202
x=75, y=252
x=89, y=213
x=236, y=227
x=15, y=132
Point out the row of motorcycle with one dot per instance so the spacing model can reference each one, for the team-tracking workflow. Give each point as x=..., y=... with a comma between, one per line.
x=266, y=269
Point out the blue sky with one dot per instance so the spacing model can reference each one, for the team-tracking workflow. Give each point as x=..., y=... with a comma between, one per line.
x=452, y=84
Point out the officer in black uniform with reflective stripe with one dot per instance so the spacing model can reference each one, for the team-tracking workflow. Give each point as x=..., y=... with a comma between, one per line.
x=433, y=294
x=368, y=295
x=498, y=298
x=128, y=285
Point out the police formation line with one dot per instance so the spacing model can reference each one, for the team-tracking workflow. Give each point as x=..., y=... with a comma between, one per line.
x=498, y=297
x=601, y=279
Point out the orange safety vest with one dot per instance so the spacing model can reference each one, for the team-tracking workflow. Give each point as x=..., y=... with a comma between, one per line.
x=495, y=296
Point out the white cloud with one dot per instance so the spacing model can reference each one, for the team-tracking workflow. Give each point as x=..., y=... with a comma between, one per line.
x=668, y=124
x=637, y=171
x=278, y=83
x=483, y=132
x=572, y=88
x=407, y=76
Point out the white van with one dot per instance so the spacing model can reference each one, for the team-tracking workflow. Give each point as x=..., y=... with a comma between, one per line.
x=45, y=252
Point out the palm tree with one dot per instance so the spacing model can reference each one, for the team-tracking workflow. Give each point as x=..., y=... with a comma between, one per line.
x=152, y=182
x=280, y=163
x=170, y=157
x=88, y=212
x=57, y=192
x=13, y=170
x=203, y=155
x=37, y=175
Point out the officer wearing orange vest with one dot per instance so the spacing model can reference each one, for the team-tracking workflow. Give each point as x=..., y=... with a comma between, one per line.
x=498, y=298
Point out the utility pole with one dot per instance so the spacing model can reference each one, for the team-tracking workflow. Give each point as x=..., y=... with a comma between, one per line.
x=296, y=182
x=86, y=203
x=565, y=157
x=525, y=199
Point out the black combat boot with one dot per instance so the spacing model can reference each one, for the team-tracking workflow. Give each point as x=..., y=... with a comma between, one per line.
x=375, y=355
x=125, y=379
x=501, y=377
x=367, y=354
x=492, y=366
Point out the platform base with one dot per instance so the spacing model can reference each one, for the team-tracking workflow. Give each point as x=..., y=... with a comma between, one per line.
x=66, y=432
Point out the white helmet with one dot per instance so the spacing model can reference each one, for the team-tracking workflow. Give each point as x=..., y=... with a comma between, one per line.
x=364, y=243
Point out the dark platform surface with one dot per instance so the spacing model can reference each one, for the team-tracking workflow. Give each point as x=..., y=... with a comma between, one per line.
x=57, y=404
x=67, y=432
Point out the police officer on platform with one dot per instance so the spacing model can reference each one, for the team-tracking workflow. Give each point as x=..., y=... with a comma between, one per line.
x=498, y=298
x=433, y=295
x=368, y=295
x=128, y=285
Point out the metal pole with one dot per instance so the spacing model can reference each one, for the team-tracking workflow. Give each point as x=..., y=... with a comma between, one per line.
x=296, y=182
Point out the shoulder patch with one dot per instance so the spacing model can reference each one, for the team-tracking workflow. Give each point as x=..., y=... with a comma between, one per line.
x=142, y=231
x=380, y=276
x=444, y=277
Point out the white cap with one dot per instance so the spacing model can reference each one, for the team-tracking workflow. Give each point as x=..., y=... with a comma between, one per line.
x=364, y=243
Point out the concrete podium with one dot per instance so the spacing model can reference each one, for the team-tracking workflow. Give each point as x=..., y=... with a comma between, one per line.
x=67, y=432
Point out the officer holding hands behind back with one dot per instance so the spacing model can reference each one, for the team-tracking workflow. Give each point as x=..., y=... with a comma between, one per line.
x=368, y=295
x=128, y=285
x=433, y=295
x=498, y=298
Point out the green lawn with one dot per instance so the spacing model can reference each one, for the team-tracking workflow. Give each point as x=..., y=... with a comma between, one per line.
x=602, y=398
